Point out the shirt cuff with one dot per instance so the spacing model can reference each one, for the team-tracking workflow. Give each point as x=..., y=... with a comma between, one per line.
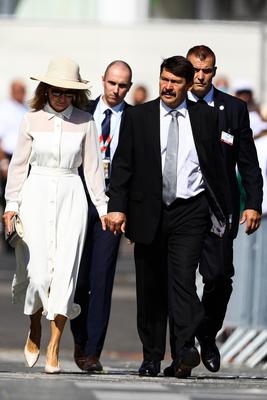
x=12, y=206
x=102, y=210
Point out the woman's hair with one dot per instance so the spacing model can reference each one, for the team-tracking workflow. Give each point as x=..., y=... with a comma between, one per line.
x=40, y=98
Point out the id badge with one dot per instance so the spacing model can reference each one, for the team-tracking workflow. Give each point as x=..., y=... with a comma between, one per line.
x=106, y=165
x=227, y=138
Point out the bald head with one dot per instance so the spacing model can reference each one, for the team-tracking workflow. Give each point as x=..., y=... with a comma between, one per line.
x=119, y=64
x=116, y=82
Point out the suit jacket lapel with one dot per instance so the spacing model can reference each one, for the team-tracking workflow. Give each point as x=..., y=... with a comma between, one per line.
x=200, y=132
x=195, y=123
x=220, y=106
x=154, y=129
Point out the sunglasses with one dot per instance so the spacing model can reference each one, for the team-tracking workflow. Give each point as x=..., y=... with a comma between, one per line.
x=59, y=93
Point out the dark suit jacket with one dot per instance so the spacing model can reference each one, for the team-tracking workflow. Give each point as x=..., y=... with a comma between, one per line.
x=136, y=178
x=234, y=118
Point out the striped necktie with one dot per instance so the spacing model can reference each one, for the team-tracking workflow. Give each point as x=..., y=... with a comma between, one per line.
x=105, y=133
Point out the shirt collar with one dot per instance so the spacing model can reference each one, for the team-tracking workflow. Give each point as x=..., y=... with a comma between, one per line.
x=115, y=109
x=52, y=113
x=182, y=108
x=208, y=98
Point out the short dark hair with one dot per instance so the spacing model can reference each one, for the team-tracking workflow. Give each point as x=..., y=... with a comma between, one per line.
x=179, y=66
x=119, y=62
x=201, y=52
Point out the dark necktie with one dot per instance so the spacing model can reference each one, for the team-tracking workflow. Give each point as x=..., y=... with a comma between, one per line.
x=105, y=131
x=201, y=100
x=170, y=166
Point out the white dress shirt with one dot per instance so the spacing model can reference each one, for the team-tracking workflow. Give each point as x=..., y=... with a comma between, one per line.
x=189, y=177
x=209, y=98
x=115, y=122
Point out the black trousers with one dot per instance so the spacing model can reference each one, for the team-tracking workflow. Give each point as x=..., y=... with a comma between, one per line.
x=217, y=270
x=165, y=277
x=94, y=286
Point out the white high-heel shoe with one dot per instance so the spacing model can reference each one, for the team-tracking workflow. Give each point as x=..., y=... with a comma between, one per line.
x=31, y=358
x=49, y=369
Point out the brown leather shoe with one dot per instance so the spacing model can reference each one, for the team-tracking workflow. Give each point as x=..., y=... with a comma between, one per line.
x=92, y=364
x=79, y=356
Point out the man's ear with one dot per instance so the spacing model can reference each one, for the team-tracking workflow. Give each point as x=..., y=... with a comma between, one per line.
x=130, y=85
x=214, y=71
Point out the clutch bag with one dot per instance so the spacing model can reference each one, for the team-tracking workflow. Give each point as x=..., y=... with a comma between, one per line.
x=16, y=234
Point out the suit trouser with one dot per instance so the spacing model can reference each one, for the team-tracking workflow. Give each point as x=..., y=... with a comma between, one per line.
x=165, y=277
x=217, y=270
x=94, y=286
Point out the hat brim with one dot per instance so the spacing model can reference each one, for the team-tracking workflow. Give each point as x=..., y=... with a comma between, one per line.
x=61, y=83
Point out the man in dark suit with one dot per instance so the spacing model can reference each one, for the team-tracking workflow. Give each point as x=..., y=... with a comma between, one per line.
x=97, y=269
x=167, y=172
x=216, y=264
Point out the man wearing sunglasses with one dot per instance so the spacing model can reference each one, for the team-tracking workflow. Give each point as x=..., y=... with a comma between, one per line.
x=96, y=275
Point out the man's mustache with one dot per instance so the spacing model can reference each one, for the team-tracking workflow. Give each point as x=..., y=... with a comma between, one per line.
x=168, y=92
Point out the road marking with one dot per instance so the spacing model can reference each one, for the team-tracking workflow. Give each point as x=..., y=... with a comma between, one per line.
x=122, y=386
x=100, y=395
x=130, y=391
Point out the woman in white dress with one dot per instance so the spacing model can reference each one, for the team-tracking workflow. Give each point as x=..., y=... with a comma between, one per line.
x=55, y=139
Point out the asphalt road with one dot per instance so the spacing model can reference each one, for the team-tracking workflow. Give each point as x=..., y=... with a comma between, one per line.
x=121, y=358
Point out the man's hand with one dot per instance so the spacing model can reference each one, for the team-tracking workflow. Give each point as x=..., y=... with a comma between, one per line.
x=253, y=219
x=116, y=222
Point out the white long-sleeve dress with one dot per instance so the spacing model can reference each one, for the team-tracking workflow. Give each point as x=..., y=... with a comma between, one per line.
x=52, y=204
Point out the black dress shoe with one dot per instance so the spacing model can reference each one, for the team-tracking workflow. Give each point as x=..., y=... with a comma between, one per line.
x=149, y=368
x=188, y=358
x=170, y=370
x=210, y=355
x=92, y=364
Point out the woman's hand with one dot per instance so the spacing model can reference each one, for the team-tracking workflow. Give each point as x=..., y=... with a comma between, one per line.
x=7, y=217
x=103, y=222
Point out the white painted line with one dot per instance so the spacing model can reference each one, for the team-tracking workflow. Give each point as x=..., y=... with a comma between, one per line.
x=151, y=387
x=140, y=395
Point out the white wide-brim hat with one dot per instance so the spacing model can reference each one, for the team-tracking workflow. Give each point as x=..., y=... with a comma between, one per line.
x=64, y=73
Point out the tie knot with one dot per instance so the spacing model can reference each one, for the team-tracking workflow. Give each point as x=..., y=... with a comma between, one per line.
x=202, y=101
x=108, y=112
x=174, y=113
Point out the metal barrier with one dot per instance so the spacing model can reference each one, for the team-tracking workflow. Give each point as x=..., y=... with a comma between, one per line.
x=247, y=310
